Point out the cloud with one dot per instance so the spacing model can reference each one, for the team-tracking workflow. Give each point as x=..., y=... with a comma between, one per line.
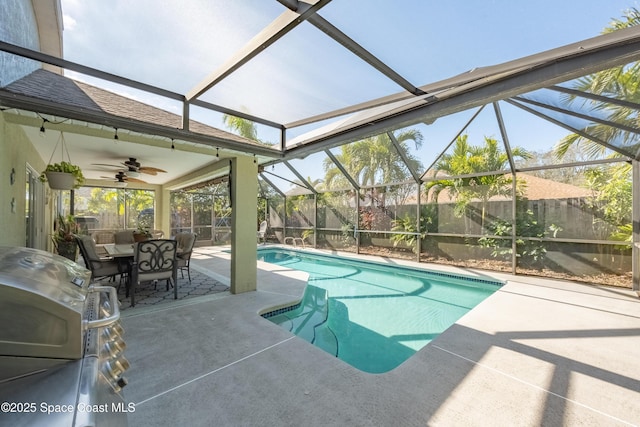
x=69, y=22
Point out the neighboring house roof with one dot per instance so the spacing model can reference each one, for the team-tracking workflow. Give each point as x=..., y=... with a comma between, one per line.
x=534, y=188
x=49, y=86
x=540, y=188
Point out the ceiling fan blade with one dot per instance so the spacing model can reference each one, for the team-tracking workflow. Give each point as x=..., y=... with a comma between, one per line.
x=135, y=180
x=151, y=170
x=147, y=172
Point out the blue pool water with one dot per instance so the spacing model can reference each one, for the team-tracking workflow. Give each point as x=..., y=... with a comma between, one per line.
x=373, y=316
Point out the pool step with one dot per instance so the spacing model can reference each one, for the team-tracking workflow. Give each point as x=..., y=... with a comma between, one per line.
x=309, y=320
x=325, y=339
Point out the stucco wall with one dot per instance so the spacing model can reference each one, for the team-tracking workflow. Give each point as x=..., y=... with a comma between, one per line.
x=17, y=26
x=15, y=152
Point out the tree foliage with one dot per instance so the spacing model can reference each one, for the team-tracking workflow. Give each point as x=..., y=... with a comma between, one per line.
x=461, y=167
x=621, y=83
x=374, y=160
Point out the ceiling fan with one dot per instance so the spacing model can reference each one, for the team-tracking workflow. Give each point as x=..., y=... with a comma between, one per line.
x=134, y=168
x=121, y=179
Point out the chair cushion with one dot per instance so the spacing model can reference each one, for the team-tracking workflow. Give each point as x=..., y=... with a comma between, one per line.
x=185, y=242
x=105, y=268
x=123, y=237
x=89, y=247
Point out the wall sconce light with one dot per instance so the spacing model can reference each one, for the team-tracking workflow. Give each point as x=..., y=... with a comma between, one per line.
x=115, y=136
x=173, y=147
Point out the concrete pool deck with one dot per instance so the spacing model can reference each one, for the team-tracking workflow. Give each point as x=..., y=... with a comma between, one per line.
x=537, y=352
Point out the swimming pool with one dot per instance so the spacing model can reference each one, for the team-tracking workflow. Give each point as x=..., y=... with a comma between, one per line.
x=371, y=315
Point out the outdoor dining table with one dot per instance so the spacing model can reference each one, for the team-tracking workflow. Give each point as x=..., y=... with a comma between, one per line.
x=123, y=255
x=119, y=251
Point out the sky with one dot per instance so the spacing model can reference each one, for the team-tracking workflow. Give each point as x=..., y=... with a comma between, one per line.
x=175, y=45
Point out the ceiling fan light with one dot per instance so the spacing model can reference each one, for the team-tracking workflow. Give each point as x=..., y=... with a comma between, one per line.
x=119, y=184
x=133, y=174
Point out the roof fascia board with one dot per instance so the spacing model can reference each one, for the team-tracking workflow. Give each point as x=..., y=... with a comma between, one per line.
x=284, y=23
x=13, y=100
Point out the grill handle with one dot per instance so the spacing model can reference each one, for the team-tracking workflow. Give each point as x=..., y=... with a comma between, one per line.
x=113, y=299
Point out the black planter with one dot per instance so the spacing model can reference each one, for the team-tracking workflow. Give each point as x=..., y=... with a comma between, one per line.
x=68, y=250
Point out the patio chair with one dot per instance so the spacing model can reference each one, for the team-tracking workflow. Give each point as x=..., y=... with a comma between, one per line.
x=123, y=237
x=262, y=232
x=185, y=248
x=154, y=260
x=100, y=267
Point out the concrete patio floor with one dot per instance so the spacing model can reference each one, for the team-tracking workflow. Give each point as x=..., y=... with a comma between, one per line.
x=536, y=353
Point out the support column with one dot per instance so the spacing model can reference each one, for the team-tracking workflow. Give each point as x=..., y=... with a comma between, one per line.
x=163, y=212
x=244, y=217
x=635, y=221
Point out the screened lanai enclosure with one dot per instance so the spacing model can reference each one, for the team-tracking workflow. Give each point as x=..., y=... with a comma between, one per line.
x=529, y=166
x=539, y=184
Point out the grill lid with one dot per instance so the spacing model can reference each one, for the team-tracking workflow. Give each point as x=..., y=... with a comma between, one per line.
x=42, y=304
x=49, y=275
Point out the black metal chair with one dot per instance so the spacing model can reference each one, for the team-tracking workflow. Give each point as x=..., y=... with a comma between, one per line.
x=100, y=267
x=185, y=248
x=154, y=260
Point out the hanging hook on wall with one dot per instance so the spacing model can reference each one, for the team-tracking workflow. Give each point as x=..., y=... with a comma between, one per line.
x=173, y=147
x=254, y=159
x=217, y=151
x=115, y=136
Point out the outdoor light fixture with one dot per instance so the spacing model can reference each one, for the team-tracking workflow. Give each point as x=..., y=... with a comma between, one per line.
x=42, y=129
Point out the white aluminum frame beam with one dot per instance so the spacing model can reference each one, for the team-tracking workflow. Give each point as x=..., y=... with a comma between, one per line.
x=286, y=22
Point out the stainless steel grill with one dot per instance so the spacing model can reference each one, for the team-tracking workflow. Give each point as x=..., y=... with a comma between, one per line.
x=61, y=344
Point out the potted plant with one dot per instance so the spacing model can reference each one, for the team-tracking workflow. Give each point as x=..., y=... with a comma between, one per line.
x=142, y=233
x=64, y=236
x=62, y=176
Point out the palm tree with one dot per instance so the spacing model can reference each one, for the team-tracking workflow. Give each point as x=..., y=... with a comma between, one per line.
x=619, y=83
x=466, y=159
x=374, y=160
x=318, y=183
x=243, y=127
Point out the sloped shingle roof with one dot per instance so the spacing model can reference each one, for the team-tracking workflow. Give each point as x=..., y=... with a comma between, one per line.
x=48, y=86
